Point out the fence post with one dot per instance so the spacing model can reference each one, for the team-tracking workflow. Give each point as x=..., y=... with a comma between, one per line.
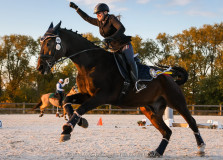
x=138, y=110
x=109, y=112
x=220, y=110
x=24, y=107
x=53, y=109
x=193, y=110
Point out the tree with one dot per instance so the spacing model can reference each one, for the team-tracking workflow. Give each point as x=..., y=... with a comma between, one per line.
x=147, y=50
x=16, y=52
x=92, y=38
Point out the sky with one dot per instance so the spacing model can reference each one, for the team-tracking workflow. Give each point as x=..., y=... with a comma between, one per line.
x=146, y=18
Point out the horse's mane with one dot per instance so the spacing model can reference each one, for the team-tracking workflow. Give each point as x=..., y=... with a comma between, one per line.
x=80, y=35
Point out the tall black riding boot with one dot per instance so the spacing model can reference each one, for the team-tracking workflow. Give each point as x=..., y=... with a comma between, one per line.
x=60, y=99
x=134, y=74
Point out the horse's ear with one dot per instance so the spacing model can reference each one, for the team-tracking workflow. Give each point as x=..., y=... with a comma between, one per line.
x=51, y=26
x=56, y=28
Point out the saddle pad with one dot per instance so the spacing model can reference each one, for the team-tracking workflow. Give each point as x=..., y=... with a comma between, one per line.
x=52, y=95
x=144, y=72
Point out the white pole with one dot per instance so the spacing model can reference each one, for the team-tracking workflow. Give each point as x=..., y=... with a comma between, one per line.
x=168, y=117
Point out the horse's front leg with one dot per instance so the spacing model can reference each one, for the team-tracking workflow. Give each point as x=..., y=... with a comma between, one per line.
x=41, y=113
x=76, y=118
x=78, y=98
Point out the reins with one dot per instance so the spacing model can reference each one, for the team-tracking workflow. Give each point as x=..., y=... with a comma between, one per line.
x=75, y=54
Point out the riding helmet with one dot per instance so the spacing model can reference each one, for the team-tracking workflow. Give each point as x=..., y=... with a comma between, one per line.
x=101, y=7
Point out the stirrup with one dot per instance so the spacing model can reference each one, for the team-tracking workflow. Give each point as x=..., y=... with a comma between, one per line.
x=139, y=87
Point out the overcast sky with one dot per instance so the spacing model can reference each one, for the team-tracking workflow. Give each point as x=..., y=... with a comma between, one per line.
x=147, y=18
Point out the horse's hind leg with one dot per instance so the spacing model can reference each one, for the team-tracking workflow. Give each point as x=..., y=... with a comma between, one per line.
x=157, y=120
x=41, y=113
x=178, y=102
x=64, y=114
x=193, y=125
x=42, y=108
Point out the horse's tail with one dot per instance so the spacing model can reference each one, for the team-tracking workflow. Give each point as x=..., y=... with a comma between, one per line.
x=180, y=75
x=38, y=105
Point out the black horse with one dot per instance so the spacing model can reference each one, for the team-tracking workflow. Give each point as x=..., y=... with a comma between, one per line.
x=100, y=82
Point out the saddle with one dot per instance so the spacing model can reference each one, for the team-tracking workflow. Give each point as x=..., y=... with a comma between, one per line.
x=145, y=73
x=56, y=96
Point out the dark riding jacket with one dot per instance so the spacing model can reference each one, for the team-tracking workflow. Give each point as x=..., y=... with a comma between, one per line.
x=112, y=28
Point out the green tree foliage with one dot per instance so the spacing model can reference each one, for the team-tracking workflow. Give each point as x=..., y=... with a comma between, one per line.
x=148, y=50
x=199, y=51
x=92, y=38
x=16, y=52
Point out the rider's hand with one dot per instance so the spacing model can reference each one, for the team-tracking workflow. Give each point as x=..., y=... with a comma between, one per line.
x=107, y=40
x=73, y=5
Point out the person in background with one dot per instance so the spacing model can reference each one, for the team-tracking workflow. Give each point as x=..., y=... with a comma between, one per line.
x=60, y=90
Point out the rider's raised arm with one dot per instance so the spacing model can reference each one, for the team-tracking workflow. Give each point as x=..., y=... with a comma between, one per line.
x=87, y=18
x=63, y=84
x=84, y=15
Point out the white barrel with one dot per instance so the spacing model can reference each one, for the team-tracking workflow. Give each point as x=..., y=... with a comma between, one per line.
x=168, y=116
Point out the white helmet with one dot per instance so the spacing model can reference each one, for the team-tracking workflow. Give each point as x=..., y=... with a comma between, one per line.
x=61, y=80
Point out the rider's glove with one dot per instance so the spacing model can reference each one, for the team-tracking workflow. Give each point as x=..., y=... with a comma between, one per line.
x=107, y=40
x=73, y=5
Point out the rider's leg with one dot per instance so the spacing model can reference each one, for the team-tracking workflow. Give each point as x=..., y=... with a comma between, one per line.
x=60, y=98
x=129, y=55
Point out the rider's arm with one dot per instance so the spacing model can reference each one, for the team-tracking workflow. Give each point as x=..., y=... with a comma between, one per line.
x=87, y=18
x=58, y=88
x=63, y=84
x=118, y=25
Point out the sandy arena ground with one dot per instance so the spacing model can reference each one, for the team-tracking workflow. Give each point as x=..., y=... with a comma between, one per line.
x=30, y=137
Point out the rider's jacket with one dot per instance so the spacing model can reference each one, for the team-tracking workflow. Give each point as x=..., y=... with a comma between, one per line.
x=112, y=28
x=59, y=87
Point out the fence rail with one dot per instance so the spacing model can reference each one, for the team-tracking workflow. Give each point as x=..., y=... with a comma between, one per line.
x=194, y=109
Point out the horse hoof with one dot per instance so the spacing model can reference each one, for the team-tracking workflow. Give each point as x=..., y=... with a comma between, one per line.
x=201, y=148
x=57, y=115
x=154, y=154
x=40, y=115
x=201, y=154
x=83, y=123
x=65, y=137
x=67, y=128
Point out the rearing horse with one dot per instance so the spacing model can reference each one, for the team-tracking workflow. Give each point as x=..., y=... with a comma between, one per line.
x=100, y=82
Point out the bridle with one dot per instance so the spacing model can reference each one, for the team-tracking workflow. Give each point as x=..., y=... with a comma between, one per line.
x=58, y=47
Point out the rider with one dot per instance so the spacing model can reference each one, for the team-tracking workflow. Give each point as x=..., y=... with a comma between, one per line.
x=113, y=32
x=60, y=90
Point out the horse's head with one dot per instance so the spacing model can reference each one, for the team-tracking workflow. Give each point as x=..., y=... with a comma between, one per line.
x=51, y=49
